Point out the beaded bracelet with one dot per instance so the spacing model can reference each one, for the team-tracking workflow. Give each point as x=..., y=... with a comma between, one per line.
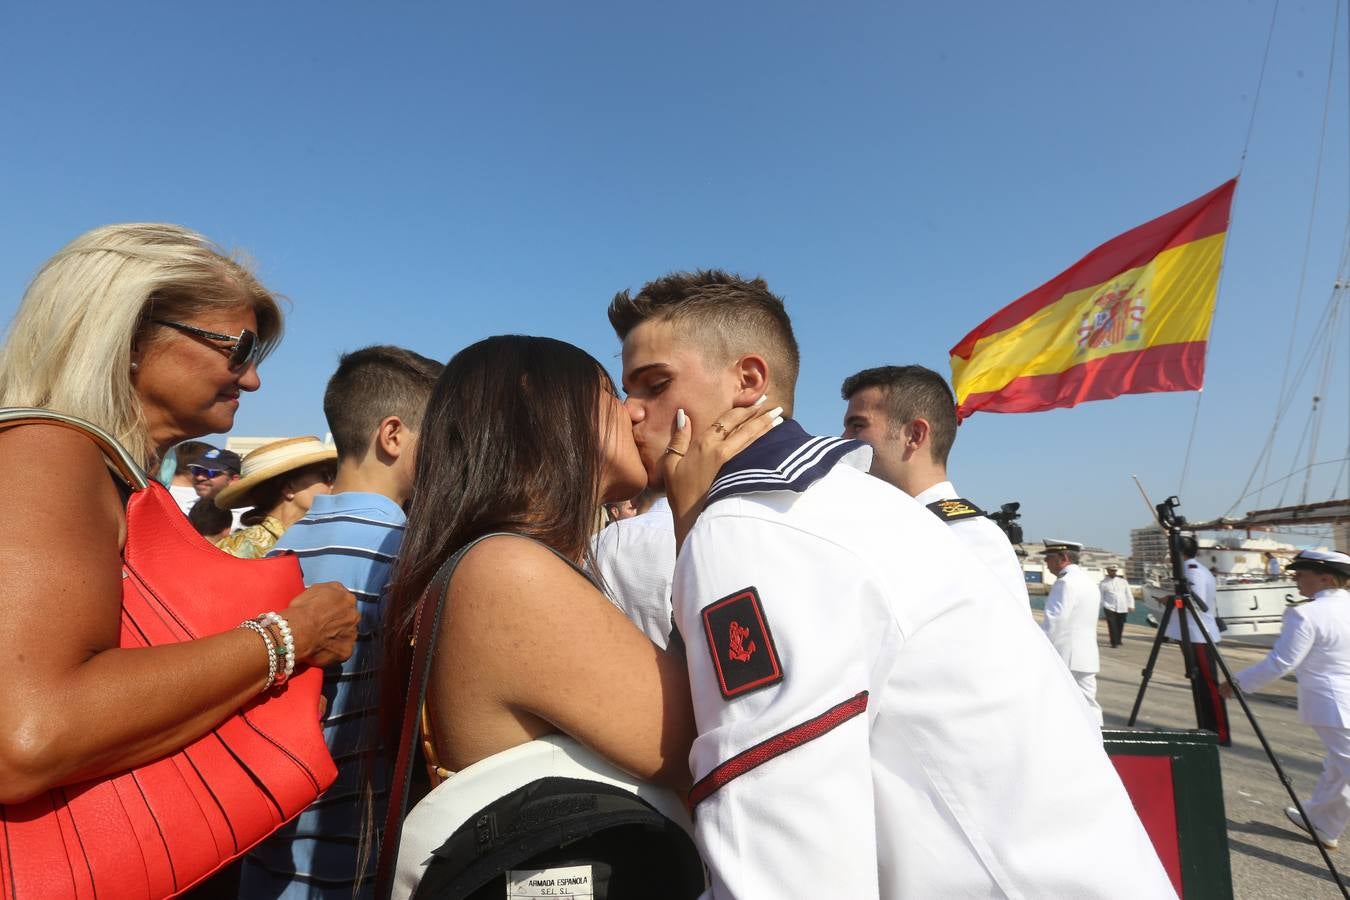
x=286, y=651
x=254, y=626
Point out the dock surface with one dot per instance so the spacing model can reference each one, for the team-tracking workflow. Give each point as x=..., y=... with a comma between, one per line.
x=1271, y=858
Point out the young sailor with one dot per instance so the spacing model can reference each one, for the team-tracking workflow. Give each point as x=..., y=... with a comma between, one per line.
x=874, y=718
x=907, y=414
x=1314, y=642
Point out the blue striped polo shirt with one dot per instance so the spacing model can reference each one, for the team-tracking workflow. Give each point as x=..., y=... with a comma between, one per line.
x=350, y=538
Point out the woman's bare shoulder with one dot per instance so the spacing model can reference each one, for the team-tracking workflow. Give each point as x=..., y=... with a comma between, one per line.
x=515, y=575
x=53, y=475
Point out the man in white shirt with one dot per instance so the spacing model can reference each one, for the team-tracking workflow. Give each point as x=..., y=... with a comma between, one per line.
x=635, y=558
x=907, y=414
x=1315, y=642
x=1117, y=602
x=874, y=716
x=1210, y=708
x=1071, y=618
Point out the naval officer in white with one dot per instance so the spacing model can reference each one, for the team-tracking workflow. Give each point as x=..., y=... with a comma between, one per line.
x=908, y=416
x=1314, y=643
x=1210, y=708
x=1071, y=618
x=1117, y=602
x=874, y=716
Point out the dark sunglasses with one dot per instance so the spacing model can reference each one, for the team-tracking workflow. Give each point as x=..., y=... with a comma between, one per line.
x=209, y=473
x=242, y=350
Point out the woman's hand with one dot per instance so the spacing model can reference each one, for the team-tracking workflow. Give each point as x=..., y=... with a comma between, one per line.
x=323, y=624
x=691, y=463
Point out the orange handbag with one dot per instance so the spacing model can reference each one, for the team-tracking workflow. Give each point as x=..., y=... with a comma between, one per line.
x=160, y=828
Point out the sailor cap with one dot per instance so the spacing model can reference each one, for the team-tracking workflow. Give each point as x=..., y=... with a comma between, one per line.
x=1321, y=561
x=1053, y=545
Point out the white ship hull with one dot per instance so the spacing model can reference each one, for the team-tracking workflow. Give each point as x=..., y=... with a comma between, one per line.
x=1252, y=611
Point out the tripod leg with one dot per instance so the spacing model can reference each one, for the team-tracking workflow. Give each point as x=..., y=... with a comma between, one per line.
x=1148, y=666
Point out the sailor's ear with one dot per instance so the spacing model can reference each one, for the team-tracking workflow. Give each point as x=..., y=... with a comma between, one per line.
x=917, y=433
x=752, y=379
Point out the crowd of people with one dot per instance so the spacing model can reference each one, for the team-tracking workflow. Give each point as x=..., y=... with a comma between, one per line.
x=813, y=644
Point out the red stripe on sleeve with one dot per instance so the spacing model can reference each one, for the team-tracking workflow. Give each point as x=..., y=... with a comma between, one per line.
x=777, y=745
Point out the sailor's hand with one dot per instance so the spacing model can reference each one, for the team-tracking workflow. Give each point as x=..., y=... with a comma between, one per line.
x=691, y=463
x=1226, y=690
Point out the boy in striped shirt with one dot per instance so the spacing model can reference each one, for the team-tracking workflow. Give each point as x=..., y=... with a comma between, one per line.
x=374, y=404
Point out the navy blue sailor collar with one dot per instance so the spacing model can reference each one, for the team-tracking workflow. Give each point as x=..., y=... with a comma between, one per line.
x=786, y=459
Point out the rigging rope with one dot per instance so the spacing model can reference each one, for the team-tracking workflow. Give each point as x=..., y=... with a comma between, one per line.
x=1242, y=162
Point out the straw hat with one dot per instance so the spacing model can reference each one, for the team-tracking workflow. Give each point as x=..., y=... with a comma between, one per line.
x=271, y=460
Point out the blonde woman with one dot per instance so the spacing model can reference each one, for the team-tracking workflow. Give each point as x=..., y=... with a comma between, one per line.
x=153, y=334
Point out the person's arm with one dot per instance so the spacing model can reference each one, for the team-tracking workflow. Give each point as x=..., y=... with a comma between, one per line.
x=72, y=704
x=1293, y=644
x=783, y=771
x=1054, y=608
x=525, y=626
x=1196, y=582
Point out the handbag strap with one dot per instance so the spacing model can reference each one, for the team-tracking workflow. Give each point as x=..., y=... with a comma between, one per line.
x=426, y=628
x=118, y=457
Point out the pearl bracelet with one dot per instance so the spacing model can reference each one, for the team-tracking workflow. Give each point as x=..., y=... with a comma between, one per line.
x=254, y=626
x=286, y=652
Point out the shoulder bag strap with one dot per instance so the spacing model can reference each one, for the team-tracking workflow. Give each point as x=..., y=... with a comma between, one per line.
x=425, y=631
x=115, y=453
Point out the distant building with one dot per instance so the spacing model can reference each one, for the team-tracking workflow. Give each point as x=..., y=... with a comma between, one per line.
x=1148, y=547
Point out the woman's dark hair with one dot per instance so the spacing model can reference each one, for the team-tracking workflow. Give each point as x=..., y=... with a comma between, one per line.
x=510, y=441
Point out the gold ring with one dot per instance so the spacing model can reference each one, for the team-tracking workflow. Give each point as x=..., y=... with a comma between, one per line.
x=676, y=452
x=719, y=428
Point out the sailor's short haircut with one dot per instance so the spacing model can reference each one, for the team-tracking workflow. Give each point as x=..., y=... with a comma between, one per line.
x=1189, y=546
x=912, y=392
x=725, y=315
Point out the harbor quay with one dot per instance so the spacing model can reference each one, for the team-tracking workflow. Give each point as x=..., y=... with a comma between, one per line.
x=1271, y=859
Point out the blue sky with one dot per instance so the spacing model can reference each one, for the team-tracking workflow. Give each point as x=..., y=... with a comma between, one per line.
x=421, y=174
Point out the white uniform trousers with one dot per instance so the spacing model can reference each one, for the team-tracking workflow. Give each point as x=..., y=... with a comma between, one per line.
x=1087, y=683
x=1329, y=806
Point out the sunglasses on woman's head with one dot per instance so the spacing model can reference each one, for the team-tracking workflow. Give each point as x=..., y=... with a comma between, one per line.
x=242, y=350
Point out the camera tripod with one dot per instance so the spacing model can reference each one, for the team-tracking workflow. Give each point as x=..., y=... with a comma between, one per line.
x=1183, y=604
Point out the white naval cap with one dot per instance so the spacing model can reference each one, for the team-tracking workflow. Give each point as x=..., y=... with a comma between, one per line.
x=1321, y=561
x=1054, y=545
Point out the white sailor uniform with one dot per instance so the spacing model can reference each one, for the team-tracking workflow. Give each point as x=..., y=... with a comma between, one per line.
x=636, y=561
x=1071, y=624
x=978, y=532
x=1202, y=585
x=1315, y=642
x=874, y=718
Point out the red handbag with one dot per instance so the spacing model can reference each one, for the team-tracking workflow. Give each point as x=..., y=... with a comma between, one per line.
x=160, y=828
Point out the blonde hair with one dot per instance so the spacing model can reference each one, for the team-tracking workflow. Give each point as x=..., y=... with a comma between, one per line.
x=69, y=345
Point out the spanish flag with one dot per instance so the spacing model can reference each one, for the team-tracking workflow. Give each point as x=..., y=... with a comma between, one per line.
x=1131, y=317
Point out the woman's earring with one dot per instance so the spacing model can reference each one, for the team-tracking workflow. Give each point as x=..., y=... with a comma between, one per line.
x=135, y=367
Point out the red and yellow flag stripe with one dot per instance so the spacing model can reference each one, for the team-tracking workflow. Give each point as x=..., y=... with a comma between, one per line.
x=1132, y=316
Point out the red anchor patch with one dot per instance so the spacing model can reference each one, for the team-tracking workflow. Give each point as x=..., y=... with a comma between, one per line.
x=740, y=643
x=735, y=648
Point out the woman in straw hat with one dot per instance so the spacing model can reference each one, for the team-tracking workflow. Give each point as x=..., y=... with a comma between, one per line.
x=279, y=480
x=153, y=334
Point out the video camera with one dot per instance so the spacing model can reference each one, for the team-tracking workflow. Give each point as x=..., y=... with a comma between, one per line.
x=1006, y=519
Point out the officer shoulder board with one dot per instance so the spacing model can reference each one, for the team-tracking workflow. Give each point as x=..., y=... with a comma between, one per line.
x=954, y=510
